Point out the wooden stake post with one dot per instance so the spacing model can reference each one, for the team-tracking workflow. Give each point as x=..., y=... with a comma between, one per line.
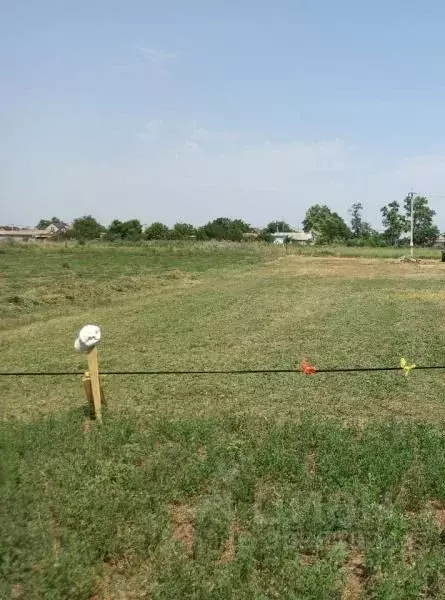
x=89, y=394
x=94, y=382
x=88, y=338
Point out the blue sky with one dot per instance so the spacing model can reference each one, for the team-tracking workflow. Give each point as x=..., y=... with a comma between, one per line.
x=191, y=110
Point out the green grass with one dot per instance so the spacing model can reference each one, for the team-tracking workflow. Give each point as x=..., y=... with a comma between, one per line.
x=56, y=278
x=218, y=509
x=222, y=487
x=224, y=306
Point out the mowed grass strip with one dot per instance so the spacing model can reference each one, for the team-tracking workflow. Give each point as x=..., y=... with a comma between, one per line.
x=252, y=313
x=40, y=281
x=211, y=508
x=56, y=278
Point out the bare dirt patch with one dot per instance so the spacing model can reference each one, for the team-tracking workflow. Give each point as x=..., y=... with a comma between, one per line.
x=121, y=580
x=308, y=559
x=311, y=462
x=355, y=570
x=182, y=519
x=439, y=514
x=202, y=453
x=17, y=591
x=409, y=548
x=229, y=550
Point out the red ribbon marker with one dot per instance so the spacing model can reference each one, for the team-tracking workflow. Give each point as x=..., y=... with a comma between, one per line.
x=307, y=368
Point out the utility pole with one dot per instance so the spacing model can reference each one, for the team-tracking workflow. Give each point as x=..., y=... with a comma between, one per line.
x=411, y=196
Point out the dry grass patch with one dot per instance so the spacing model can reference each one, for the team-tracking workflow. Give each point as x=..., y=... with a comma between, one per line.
x=357, y=268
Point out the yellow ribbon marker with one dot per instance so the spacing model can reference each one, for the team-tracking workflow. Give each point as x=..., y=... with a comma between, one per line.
x=406, y=366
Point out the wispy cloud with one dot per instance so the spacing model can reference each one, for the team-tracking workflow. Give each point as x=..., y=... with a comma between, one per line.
x=151, y=130
x=159, y=60
x=193, y=173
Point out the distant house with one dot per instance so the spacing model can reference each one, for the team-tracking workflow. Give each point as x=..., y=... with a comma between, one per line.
x=301, y=237
x=440, y=242
x=294, y=237
x=57, y=228
x=25, y=234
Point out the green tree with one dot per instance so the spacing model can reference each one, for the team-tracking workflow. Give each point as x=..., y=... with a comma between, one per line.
x=126, y=230
x=359, y=227
x=274, y=226
x=86, y=228
x=394, y=222
x=157, y=231
x=362, y=232
x=328, y=225
x=182, y=231
x=425, y=231
x=201, y=234
x=115, y=230
x=224, y=229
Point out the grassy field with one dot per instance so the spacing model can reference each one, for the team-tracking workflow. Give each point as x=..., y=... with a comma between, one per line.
x=259, y=486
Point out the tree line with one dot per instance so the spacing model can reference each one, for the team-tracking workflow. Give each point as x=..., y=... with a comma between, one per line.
x=396, y=221
x=327, y=226
x=88, y=228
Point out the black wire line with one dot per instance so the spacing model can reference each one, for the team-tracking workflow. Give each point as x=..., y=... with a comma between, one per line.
x=215, y=372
